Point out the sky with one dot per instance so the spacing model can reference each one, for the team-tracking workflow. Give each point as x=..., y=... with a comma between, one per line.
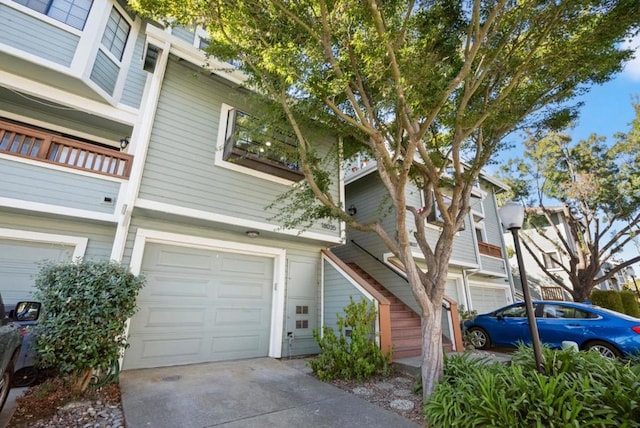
x=607, y=110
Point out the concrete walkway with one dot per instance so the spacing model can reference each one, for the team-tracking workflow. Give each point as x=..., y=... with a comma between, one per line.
x=250, y=393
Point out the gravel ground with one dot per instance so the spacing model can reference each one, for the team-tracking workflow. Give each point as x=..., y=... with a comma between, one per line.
x=82, y=414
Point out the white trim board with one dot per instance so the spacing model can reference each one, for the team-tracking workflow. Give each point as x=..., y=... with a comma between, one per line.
x=232, y=220
x=78, y=242
x=56, y=209
x=279, y=269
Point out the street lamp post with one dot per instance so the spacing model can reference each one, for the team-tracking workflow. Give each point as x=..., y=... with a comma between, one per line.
x=512, y=218
x=629, y=271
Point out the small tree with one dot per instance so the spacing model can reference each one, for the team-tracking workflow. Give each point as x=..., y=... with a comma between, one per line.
x=85, y=307
x=587, y=204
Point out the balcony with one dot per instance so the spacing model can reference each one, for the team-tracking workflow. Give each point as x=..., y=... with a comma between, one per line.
x=49, y=148
x=489, y=249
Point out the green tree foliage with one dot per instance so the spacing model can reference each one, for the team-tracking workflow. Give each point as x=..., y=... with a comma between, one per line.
x=350, y=352
x=85, y=307
x=579, y=389
x=420, y=87
x=630, y=303
x=609, y=299
x=592, y=187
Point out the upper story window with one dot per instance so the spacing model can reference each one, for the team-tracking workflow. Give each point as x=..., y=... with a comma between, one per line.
x=70, y=12
x=116, y=34
x=260, y=146
x=550, y=258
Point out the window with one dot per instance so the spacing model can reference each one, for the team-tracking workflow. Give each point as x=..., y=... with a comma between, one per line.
x=71, y=12
x=255, y=144
x=115, y=34
x=561, y=311
x=550, y=258
x=517, y=311
x=435, y=216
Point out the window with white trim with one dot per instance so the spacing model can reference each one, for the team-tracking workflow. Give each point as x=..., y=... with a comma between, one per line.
x=115, y=34
x=261, y=146
x=549, y=259
x=71, y=12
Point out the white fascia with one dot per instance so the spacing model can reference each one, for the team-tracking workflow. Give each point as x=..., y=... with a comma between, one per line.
x=79, y=243
x=54, y=95
x=21, y=204
x=139, y=147
x=143, y=236
x=231, y=220
x=196, y=56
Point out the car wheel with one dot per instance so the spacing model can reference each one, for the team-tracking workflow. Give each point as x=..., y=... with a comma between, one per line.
x=606, y=350
x=479, y=338
x=26, y=376
x=5, y=384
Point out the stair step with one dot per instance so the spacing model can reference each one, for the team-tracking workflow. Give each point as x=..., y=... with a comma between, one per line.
x=398, y=315
x=405, y=332
x=406, y=322
x=407, y=342
x=406, y=353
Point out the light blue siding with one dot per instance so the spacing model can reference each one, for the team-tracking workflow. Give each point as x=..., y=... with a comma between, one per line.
x=492, y=224
x=36, y=37
x=185, y=34
x=105, y=72
x=38, y=184
x=136, y=76
x=493, y=265
x=180, y=168
x=100, y=235
x=337, y=294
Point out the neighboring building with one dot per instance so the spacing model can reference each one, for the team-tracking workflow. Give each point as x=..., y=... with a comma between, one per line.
x=547, y=252
x=478, y=275
x=116, y=142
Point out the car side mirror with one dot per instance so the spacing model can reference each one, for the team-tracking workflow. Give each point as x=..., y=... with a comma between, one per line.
x=27, y=311
x=500, y=317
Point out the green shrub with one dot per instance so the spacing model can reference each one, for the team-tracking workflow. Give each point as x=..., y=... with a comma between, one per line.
x=85, y=307
x=353, y=355
x=630, y=303
x=579, y=389
x=609, y=299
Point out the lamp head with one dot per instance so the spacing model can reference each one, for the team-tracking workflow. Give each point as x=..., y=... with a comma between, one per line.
x=512, y=215
x=629, y=271
x=124, y=142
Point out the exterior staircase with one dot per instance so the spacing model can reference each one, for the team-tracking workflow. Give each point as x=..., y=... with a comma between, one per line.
x=406, y=333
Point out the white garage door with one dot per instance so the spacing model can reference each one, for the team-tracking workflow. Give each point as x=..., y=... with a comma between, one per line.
x=487, y=299
x=19, y=265
x=200, y=305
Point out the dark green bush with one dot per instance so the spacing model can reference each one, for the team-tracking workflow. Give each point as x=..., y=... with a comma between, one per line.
x=609, y=299
x=579, y=389
x=630, y=303
x=85, y=308
x=353, y=355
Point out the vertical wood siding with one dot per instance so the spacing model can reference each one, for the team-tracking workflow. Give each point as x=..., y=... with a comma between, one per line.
x=36, y=37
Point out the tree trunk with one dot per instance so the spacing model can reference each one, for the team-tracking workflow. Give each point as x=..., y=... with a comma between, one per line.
x=432, y=358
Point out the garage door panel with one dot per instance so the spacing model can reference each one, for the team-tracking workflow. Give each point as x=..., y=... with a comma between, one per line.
x=239, y=316
x=234, y=289
x=190, y=315
x=486, y=299
x=167, y=259
x=175, y=286
x=168, y=317
x=19, y=265
x=243, y=346
x=246, y=265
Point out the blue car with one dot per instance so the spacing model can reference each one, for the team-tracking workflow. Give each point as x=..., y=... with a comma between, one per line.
x=593, y=328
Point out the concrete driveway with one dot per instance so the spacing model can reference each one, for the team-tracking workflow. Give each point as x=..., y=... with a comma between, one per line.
x=250, y=393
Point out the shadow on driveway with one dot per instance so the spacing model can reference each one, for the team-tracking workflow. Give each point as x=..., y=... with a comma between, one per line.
x=249, y=393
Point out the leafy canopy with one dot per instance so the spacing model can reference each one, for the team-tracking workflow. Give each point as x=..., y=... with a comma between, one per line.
x=593, y=185
x=418, y=85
